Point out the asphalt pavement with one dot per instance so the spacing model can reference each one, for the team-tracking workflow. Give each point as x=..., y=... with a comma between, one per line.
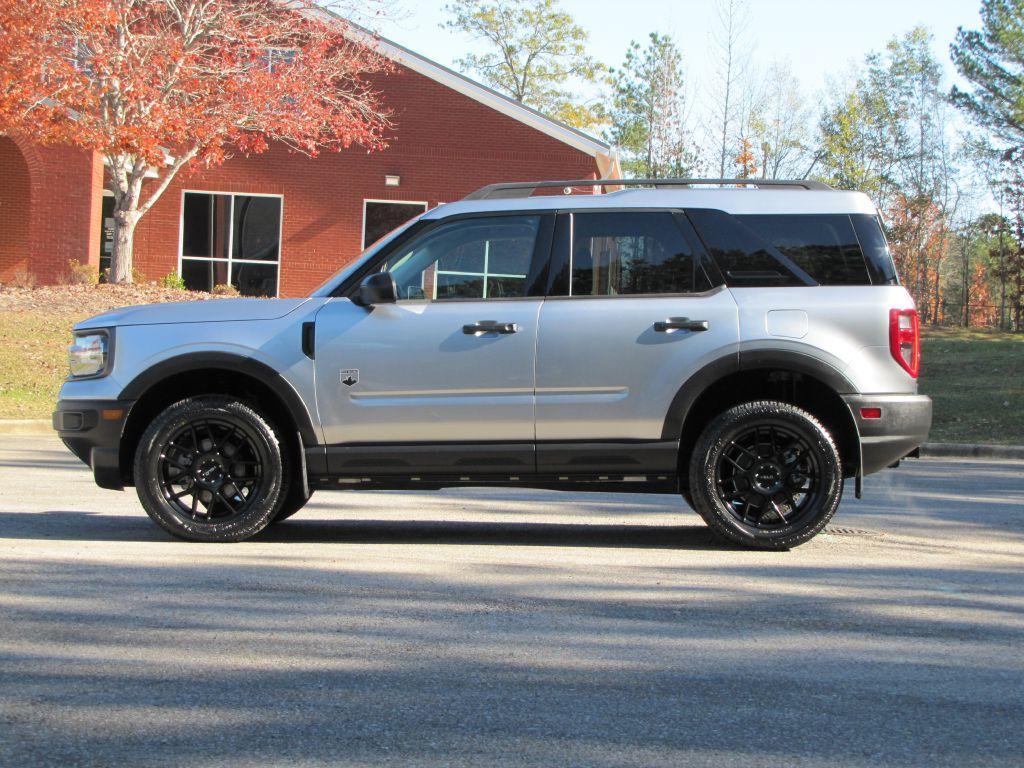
x=515, y=628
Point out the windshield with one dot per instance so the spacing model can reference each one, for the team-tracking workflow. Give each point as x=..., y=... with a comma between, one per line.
x=328, y=285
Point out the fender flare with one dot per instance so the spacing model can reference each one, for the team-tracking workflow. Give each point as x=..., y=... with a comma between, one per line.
x=749, y=360
x=196, y=361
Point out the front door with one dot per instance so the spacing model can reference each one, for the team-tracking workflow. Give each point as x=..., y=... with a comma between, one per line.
x=443, y=380
x=632, y=315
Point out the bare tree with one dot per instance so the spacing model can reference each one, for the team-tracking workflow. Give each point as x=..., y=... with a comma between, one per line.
x=780, y=123
x=729, y=36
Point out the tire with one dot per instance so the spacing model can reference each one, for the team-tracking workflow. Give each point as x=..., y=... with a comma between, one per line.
x=211, y=469
x=766, y=475
x=292, y=504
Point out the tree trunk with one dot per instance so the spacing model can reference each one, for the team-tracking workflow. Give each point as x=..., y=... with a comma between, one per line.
x=124, y=236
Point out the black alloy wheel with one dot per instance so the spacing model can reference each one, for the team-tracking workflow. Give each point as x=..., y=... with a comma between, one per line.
x=766, y=474
x=211, y=469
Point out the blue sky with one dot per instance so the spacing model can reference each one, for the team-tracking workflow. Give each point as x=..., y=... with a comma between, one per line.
x=819, y=38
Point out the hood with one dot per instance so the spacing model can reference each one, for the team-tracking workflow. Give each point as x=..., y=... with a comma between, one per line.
x=210, y=311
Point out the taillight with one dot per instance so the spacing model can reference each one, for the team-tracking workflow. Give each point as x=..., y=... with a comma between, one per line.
x=905, y=339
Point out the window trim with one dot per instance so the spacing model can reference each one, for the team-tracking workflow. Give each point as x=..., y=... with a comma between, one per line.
x=231, y=234
x=362, y=233
x=686, y=231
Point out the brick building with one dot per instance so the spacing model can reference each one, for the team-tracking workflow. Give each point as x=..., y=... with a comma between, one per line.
x=279, y=223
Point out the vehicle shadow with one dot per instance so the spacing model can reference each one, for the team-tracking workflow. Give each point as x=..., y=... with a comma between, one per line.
x=497, y=533
x=90, y=526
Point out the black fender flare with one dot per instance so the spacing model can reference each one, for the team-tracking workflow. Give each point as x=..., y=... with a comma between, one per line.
x=196, y=361
x=751, y=360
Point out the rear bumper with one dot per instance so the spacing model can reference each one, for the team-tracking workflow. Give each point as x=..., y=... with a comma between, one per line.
x=92, y=430
x=903, y=427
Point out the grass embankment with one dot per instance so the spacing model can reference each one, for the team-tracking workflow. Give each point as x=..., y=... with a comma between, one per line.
x=35, y=330
x=975, y=377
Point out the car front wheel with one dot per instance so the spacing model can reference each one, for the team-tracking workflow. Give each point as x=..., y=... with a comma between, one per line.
x=211, y=469
x=766, y=475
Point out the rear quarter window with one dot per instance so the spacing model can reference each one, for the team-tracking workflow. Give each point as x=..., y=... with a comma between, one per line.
x=825, y=246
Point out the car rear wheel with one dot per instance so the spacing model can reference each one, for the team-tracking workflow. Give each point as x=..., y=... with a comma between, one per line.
x=766, y=475
x=211, y=469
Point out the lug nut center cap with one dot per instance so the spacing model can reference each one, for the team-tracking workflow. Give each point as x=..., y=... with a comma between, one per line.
x=767, y=478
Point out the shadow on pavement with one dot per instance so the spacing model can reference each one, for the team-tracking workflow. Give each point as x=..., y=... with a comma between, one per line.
x=90, y=526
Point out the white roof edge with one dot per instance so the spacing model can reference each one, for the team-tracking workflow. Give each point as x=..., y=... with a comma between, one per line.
x=606, y=155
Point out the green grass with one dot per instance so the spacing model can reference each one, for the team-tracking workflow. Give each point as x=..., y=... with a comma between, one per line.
x=976, y=378
x=33, y=362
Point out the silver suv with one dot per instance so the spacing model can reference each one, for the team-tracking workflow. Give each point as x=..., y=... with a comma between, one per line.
x=745, y=344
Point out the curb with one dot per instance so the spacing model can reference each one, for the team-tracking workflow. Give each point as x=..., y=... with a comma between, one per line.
x=971, y=451
x=26, y=427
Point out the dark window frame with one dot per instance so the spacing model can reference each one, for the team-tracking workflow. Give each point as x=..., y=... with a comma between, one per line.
x=229, y=260
x=367, y=202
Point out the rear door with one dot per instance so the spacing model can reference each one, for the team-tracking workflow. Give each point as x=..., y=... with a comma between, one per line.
x=633, y=312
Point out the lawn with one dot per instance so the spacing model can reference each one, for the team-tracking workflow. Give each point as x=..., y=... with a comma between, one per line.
x=35, y=330
x=975, y=377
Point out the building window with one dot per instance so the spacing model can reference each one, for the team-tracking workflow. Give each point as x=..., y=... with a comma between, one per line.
x=383, y=216
x=231, y=240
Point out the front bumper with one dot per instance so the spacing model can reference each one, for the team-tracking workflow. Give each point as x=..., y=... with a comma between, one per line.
x=92, y=430
x=902, y=428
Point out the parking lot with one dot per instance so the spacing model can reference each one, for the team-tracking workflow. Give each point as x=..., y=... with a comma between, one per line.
x=520, y=628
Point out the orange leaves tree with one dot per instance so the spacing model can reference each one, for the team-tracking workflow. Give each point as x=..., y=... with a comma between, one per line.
x=159, y=85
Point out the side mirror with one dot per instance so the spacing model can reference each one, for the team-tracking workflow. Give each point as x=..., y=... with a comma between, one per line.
x=378, y=288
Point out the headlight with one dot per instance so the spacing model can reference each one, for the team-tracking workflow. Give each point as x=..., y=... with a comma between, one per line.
x=88, y=354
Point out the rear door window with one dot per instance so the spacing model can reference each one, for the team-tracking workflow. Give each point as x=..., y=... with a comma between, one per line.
x=825, y=246
x=626, y=254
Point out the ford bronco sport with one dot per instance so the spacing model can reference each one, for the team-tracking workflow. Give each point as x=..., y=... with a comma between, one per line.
x=745, y=344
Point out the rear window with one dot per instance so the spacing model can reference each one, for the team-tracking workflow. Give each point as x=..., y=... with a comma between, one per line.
x=876, y=251
x=824, y=246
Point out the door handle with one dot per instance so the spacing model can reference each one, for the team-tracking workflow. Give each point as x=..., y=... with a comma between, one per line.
x=489, y=326
x=680, y=324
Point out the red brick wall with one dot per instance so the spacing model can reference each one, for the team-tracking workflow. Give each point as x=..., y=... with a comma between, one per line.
x=14, y=210
x=63, y=192
x=444, y=145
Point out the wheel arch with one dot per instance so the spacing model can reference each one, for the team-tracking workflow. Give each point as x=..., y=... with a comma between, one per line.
x=791, y=377
x=221, y=373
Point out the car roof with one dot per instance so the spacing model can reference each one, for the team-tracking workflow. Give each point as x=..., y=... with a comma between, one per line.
x=739, y=201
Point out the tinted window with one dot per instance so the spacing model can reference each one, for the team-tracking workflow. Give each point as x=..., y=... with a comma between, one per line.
x=626, y=254
x=477, y=258
x=825, y=247
x=379, y=218
x=745, y=259
x=876, y=252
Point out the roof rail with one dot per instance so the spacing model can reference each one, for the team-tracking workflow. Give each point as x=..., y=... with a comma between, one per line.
x=517, y=189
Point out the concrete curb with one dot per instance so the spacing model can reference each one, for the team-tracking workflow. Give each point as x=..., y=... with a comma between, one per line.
x=971, y=451
x=26, y=427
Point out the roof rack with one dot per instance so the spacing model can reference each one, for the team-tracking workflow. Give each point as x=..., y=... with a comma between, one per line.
x=518, y=189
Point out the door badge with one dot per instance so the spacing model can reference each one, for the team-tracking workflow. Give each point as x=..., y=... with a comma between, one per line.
x=350, y=377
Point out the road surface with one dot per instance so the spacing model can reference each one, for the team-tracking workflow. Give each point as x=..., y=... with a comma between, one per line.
x=518, y=628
